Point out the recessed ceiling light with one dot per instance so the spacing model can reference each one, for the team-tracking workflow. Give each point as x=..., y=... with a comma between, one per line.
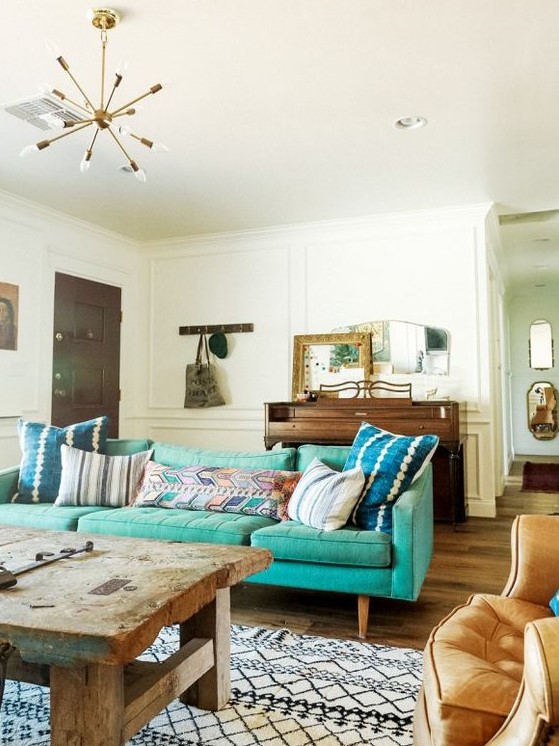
x=410, y=123
x=540, y=240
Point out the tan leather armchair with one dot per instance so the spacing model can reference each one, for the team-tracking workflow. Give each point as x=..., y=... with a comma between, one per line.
x=491, y=667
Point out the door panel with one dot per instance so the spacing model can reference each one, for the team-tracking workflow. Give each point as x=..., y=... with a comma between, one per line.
x=86, y=351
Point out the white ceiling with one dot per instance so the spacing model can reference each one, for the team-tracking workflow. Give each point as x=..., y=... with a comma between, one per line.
x=283, y=111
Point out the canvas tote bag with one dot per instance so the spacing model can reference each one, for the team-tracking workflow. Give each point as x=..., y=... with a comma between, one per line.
x=202, y=389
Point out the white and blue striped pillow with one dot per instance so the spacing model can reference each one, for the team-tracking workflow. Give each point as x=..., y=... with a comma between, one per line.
x=390, y=464
x=323, y=497
x=39, y=473
x=95, y=479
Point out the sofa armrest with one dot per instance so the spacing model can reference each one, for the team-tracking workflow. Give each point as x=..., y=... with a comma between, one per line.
x=534, y=573
x=412, y=537
x=535, y=713
x=8, y=483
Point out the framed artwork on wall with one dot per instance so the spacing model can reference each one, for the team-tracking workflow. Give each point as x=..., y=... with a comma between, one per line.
x=9, y=311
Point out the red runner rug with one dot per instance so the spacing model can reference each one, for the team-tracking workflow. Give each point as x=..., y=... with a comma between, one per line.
x=540, y=477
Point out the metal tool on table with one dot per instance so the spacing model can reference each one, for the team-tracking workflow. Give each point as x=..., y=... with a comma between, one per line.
x=8, y=577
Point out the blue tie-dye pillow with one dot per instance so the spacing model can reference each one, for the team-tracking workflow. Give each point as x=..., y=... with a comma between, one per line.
x=554, y=603
x=390, y=464
x=41, y=465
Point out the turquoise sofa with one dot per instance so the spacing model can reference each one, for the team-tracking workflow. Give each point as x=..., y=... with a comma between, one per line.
x=348, y=560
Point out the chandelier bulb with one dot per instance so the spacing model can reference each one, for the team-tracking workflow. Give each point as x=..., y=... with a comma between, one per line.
x=52, y=49
x=122, y=68
x=123, y=129
x=159, y=147
x=140, y=174
x=86, y=161
x=29, y=150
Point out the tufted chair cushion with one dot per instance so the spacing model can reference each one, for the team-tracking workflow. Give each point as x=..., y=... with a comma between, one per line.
x=473, y=666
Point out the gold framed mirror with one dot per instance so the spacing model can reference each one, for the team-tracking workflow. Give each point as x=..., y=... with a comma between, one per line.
x=329, y=359
x=542, y=410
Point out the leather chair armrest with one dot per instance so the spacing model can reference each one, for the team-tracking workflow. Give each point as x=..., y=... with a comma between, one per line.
x=535, y=715
x=534, y=574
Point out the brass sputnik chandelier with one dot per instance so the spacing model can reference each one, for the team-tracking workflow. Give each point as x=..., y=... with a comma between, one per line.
x=100, y=115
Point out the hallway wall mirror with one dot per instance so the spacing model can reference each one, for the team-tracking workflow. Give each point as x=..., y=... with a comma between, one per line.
x=542, y=410
x=329, y=359
x=406, y=347
x=540, y=346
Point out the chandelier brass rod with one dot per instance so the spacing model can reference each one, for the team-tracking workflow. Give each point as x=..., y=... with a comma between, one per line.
x=120, y=145
x=118, y=78
x=154, y=89
x=103, y=53
x=66, y=67
x=64, y=97
x=129, y=112
x=65, y=134
x=69, y=123
x=92, y=143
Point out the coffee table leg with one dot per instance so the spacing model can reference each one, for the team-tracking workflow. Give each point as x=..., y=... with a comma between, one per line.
x=87, y=705
x=212, y=690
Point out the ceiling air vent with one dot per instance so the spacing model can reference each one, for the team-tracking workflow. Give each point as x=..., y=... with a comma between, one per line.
x=44, y=111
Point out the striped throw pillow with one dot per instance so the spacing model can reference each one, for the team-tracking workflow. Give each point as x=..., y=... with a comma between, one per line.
x=95, y=479
x=324, y=498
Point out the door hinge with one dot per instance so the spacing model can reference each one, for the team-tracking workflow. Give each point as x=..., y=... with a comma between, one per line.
x=119, y=395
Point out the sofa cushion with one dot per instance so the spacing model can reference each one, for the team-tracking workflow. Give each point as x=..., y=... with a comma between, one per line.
x=333, y=456
x=40, y=470
x=97, y=479
x=323, y=497
x=218, y=488
x=45, y=515
x=177, y=455
x=390, y=463
x=175, y=525
x=126, y=446
x=290, y=540
x=473, y=666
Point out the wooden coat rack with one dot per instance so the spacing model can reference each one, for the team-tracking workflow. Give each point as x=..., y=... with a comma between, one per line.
x=216, y=328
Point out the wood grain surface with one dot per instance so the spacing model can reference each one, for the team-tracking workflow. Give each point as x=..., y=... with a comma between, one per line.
x=52, y=616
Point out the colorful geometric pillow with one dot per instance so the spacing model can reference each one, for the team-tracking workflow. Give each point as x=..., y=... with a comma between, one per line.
x=95, y=479
x=554, y=603
x=324, y=498
x=390, y=464
x=40, y=469
x=223, y=489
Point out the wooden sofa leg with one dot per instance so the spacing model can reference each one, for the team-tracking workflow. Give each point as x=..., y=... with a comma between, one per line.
x=363, y=615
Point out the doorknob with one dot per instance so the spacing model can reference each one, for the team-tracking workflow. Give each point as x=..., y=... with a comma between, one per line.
x=59, y=336
x=60, y=392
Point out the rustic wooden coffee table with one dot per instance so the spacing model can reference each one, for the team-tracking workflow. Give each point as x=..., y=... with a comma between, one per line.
x=79, y=624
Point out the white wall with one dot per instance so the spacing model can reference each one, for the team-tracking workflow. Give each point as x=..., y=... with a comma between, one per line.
x=429, y=267
x=522, y=311
x=34, y=244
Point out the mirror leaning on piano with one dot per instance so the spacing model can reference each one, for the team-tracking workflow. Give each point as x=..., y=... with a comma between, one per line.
x=405, y=347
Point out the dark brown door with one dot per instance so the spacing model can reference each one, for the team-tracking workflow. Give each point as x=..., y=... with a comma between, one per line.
x=86, y=351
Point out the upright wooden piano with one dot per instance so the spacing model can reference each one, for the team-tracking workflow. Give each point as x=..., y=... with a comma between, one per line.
x=336, y=421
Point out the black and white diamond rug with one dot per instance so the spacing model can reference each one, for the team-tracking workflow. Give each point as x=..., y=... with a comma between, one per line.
x=287, y=690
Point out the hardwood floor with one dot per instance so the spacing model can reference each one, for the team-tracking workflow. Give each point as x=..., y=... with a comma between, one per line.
x=473, y=559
